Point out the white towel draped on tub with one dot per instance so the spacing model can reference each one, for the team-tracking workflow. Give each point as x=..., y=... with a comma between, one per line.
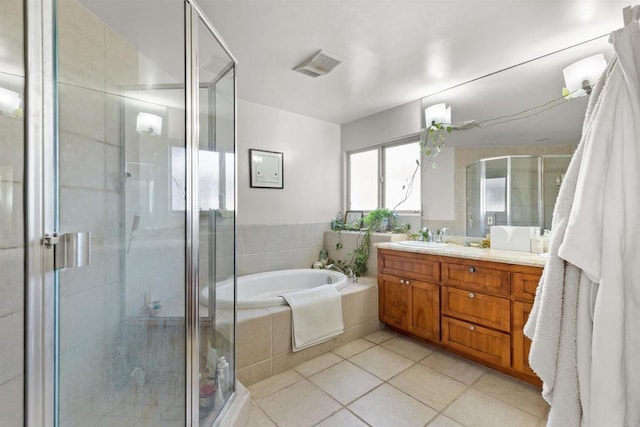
x=316, y=315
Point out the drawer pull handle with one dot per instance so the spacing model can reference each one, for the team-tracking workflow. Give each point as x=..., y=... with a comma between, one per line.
x=472, y=328
x=402, y=281
x=406, y=282
x=472, y=295
x=472, y=269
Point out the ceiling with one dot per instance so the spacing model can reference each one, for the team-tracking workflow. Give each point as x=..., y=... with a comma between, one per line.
x=397, y=51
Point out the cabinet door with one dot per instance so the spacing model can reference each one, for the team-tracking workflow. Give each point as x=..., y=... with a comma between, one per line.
x=425, y=310
x=521, y=344
x=393, y=301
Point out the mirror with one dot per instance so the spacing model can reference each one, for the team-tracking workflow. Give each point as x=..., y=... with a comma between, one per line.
x=518, y=111
x=512, y=190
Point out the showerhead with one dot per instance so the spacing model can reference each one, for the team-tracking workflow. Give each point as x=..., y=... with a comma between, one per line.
x=135, y=223
x=134, y=226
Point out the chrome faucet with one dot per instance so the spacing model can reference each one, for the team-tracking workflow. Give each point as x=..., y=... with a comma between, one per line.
x=349, y=272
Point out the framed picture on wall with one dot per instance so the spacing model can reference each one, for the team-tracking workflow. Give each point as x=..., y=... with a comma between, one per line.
x=353, y=218
x=266, y=169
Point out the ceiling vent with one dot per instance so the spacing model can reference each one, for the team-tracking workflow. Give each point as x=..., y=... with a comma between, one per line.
x=318, y=64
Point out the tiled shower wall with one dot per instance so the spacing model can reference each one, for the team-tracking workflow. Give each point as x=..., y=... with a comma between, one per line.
x=11, y=273
x=11, y=219
x=279, y=247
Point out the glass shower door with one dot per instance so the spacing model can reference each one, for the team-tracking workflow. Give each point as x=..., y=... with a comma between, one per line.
x=121, y=95
x=216, y=184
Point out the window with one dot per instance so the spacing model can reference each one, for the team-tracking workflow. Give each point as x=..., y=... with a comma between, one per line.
x=363, y=180
x=396, y=186
x=402, y=177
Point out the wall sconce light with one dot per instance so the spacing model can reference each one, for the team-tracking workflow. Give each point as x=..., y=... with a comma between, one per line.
x=437, y=120
x=150, y=124
x=438, y=114
x=9, y=102
x=582, y=75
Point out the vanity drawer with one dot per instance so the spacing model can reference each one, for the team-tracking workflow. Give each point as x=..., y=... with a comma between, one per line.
x=486, y=310
x=524, y=285
x=483, y=343
x=477, y=276
x=404, y=264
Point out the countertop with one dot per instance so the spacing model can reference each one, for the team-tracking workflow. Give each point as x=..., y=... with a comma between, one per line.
x=483, y=254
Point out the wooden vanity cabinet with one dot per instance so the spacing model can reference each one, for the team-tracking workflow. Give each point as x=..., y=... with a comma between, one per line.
x=521, y=344
x=474, y=308
x=424, y=320
x=410, y=305
x=525, y=284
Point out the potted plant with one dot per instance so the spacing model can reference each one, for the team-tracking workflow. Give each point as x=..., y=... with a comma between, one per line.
x=381, y=220
x=376, y=220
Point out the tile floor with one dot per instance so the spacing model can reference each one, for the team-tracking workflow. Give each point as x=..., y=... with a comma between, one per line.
x=386, y=379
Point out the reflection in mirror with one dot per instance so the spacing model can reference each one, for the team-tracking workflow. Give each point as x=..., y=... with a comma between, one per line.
x=513, y=190
x=519, y=111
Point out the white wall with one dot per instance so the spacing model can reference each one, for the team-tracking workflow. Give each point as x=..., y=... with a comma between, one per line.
x=438, y=187
x=311, y=173
x=382, y=127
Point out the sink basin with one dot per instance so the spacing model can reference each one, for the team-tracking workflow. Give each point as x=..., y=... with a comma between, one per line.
x=419, y=244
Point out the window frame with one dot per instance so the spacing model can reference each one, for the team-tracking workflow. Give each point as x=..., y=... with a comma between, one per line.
x=380, y=148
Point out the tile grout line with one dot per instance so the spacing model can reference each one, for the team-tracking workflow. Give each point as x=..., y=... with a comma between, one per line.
x=345, y=406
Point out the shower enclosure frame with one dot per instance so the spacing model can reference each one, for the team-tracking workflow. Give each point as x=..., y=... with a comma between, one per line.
x=542, y=220
x=41, y=133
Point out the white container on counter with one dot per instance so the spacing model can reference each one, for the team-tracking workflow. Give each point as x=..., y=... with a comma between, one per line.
x=513, y=238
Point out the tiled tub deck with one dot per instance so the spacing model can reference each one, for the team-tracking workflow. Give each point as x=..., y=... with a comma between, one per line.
x=264, y=334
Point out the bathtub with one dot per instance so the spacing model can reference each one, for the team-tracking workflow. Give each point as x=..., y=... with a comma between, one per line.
x=264, y=289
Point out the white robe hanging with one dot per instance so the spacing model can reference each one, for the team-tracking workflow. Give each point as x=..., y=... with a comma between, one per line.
x=603, y=239
x=596, y=363
x=554, y=320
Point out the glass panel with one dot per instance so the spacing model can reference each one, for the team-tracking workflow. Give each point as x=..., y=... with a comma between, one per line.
x=363, y=180
x=494, y=191
x=524, y=191
x=121, y=121
x=12, y=80
x=217, y=225
x=474, y=199
x=402, y=177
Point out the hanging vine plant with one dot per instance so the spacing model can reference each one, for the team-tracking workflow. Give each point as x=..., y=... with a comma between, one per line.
x=375, y=221
x=432, y=139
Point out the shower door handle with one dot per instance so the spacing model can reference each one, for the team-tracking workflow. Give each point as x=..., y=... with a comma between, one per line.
x=71, y=250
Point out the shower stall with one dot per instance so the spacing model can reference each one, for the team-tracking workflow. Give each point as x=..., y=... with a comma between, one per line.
x=512, y=190
x=117, y=181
